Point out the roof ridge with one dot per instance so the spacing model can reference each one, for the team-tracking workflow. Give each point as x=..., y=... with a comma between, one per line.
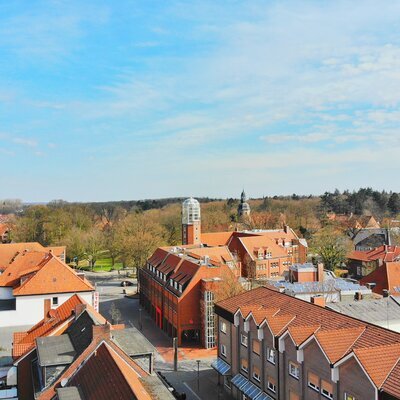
x=390, y=372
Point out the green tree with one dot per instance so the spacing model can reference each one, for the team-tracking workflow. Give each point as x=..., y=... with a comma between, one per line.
x=331, y=246
x=94, y=245
x=394, y=203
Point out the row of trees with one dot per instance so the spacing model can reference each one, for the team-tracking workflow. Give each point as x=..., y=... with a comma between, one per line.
x=363, y=201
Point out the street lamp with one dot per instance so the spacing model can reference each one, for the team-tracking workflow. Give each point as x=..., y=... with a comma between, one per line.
x=198, y=376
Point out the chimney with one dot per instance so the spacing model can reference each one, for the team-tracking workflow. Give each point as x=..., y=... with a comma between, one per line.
x=79, y=309
x=385, y=293
x=286, y=228
x=46, y=309
x=102, y=331
x=318, y=300
x=320, y=272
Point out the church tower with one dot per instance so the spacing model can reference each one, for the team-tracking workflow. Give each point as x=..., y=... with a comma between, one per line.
x=243, y=208
x=191, y=223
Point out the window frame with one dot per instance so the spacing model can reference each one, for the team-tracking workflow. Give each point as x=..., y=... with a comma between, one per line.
x=245, y=342
x=223, y=326
x=297, y=368
x=269, y=349
x=223, y=353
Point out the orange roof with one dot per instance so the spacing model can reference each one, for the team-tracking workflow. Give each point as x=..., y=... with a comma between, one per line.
x=384, y=253
x=386, y=277
x=253, y=243
x=23, y=341
x=377, y=349
x=9, y=250
x=39, y=273
x=216, y=238
x=219, y=254
x=53, y=277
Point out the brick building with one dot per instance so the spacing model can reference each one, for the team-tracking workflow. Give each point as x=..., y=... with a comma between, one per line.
x=177, y=288
x=264, y=254
x=273, y=346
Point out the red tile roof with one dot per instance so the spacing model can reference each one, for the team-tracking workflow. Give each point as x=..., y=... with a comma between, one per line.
x=383, y=253
x=40, y=273
x=118, y=379
x=377, y=349
x=386, y=277
x=9, y=251
x=24, y=341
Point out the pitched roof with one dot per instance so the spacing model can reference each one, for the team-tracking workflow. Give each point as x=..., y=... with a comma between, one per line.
x=377, y=349
x=41, y=273
x=216, y=238
x=9, y=250
x=253, y=243
x=386, y=277
x=384, y=253
x=219, y=254
x=55, y=323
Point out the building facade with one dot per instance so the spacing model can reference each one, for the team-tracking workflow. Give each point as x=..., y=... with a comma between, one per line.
x=273, y=346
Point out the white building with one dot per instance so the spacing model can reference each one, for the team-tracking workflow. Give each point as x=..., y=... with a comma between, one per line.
x=34, y=283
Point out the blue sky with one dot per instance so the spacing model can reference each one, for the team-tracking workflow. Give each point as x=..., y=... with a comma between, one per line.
x=105, y=100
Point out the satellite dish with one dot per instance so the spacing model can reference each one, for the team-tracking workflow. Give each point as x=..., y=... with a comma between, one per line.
x=64, y=382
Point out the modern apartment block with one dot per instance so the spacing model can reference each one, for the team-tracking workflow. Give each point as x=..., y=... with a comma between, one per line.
x=274, y=346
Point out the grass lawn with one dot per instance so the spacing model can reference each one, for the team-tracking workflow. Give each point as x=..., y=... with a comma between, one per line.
x=102, y=265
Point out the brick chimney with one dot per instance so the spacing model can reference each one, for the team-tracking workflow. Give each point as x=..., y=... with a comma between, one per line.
x=46, y=309
x=79, y=309
x=102, y=331
x=318, y=300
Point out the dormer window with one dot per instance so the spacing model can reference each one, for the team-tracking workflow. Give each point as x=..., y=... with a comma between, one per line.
x=180, y=288
x=171, y=282
x=176, y=285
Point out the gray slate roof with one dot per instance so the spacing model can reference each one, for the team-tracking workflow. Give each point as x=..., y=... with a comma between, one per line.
x=69, y=393
x=132, y=342
x=55, y=350
x=372, y=311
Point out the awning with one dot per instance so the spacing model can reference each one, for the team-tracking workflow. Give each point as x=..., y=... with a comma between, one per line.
x=245, y=386
x=221, y=366
x=264, y=396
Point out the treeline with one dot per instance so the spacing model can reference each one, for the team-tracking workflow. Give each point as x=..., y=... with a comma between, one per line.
x=362, y=202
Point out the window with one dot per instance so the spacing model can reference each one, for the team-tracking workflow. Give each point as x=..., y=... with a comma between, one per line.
x=349, y=397
x=223, y=350
x=244, y=365
x=223, y=326
x=180, y=288
x=256, y=346
x=313, y=381
x=243, y=340
x=326, y=389
x=271, y=355
x=55, y=301
x=294, y=370
x=256, y=374
x=272, y=385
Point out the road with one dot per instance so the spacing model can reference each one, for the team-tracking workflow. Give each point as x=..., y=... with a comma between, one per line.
x=186, y=378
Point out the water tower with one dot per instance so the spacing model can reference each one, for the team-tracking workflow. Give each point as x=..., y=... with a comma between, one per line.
x=191, y=223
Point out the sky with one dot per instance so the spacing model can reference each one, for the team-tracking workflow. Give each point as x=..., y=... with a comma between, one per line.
x=105, y=100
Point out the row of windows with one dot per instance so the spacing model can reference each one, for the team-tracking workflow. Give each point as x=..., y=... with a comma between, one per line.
x=176, y=285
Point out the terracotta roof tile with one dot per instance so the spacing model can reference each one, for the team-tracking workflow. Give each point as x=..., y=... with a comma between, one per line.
x=392, y=383
x=337, y=342
x=379, y=361
x=378, y=349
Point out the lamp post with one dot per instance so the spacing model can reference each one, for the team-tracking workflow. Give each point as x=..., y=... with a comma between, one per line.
x=198, y=376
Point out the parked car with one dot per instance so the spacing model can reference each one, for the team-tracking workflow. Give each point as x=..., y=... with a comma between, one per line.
x=126, y=283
